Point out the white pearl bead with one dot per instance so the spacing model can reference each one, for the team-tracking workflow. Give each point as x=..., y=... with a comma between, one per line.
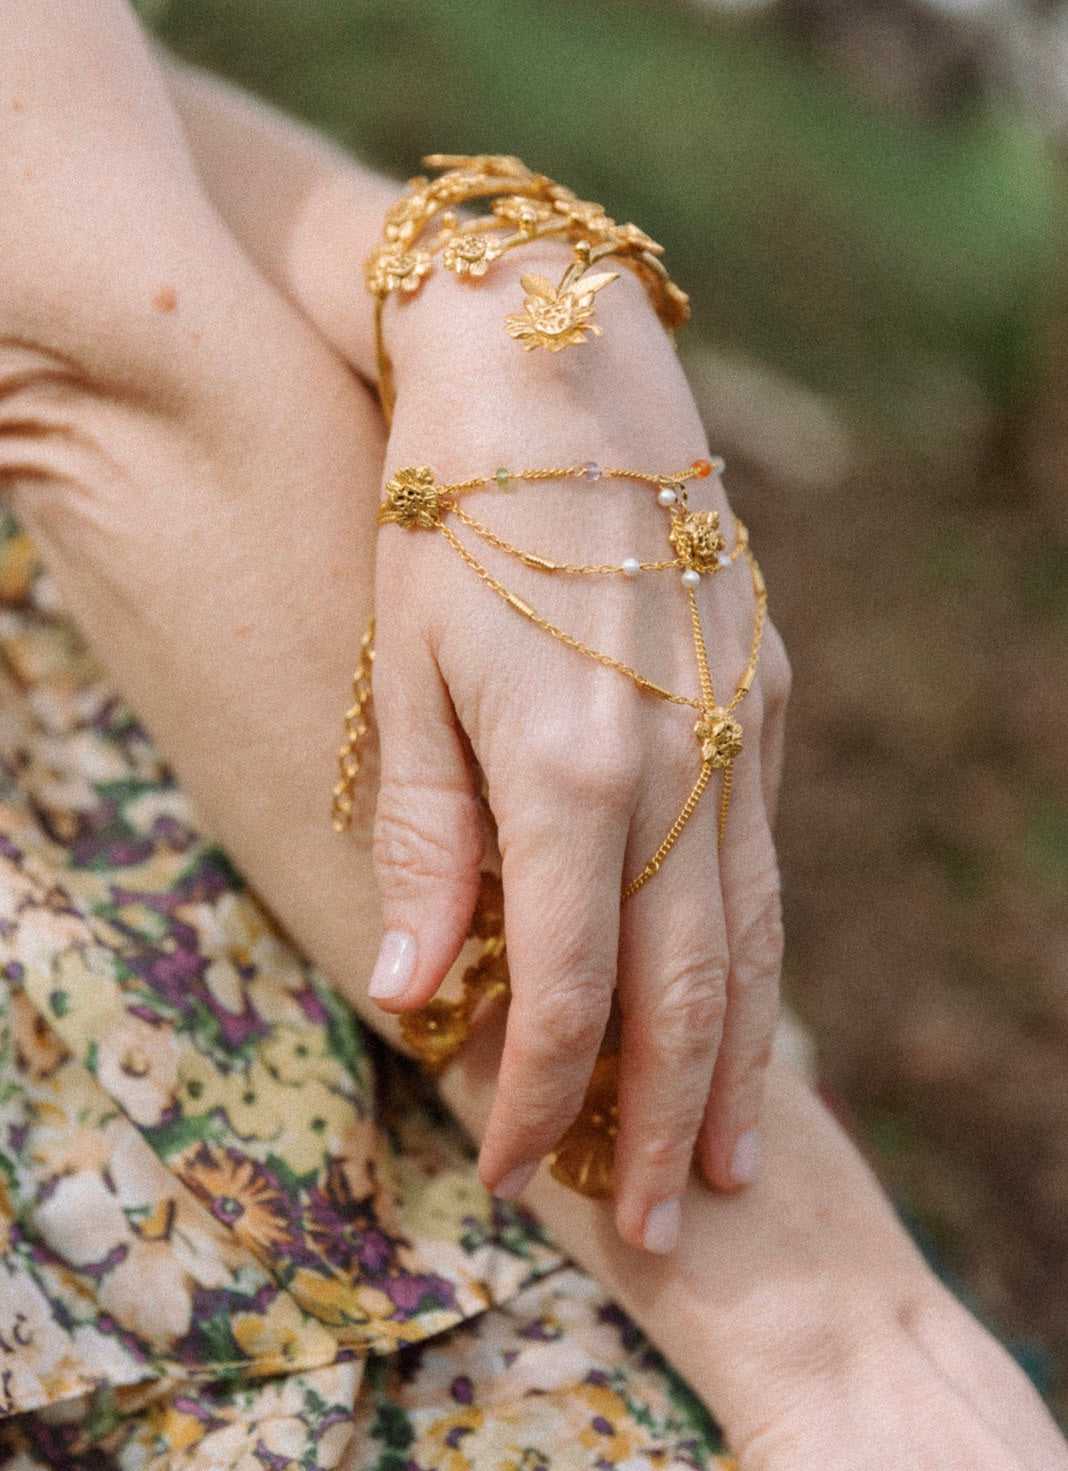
x=631, y=567
x=690, y=578
x=667, y=497
x=723, y=560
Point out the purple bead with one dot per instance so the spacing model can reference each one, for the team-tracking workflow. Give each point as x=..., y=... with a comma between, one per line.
x=591, y=472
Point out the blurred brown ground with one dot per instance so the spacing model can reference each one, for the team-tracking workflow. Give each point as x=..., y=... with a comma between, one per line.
x=920, y=831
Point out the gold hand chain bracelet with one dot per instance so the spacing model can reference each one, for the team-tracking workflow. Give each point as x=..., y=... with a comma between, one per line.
x=414, y=499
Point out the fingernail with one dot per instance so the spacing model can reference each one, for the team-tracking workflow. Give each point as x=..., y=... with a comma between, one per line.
x=661, y=1232
x=394, y=966
x=513, y=1184
x=746, y=1158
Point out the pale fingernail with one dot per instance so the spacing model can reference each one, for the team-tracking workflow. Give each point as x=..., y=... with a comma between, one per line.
x=661, y=1232
x=513, y=1184
x=746, y=1158
x=394, y=966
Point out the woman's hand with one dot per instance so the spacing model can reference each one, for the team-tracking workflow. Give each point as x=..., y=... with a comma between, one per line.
x=585, y=774
x=201, y=505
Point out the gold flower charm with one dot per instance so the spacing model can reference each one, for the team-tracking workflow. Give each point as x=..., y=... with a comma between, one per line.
x=412, y=499
x=469, y=255
x=554, y=318
x=585, y=1156
x=697, y=540
x=720, y=736
x=393, y=268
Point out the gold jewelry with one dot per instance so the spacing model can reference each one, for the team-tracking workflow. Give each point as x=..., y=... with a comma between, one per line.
x=584, y=1158
x=415, y=500
x=526, y=207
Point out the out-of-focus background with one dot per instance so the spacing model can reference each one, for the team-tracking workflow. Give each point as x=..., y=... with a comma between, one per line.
x=867, y=200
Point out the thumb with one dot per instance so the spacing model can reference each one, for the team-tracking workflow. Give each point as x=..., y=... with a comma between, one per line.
x=428, y=830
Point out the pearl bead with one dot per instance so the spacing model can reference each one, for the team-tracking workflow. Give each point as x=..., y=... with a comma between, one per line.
x=667, y=497
x=723, y=560
x=630, y=567
x=690, y=578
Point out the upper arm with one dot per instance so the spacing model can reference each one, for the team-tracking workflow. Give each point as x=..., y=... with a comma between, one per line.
x=125, y=302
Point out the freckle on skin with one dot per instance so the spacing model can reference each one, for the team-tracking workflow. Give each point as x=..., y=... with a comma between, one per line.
x=165, y=298
x=243, y=631
x=17, y=105
x=197, y=336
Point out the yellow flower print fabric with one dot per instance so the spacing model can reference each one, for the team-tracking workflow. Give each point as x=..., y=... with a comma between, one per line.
x=231, y=1228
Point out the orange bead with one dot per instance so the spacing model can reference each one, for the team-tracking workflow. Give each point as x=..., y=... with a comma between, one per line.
x=702, y=468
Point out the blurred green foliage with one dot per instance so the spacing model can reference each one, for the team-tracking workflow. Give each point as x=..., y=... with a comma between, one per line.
x=892, y=263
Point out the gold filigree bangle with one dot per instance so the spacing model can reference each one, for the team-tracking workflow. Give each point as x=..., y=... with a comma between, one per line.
x=425, y=225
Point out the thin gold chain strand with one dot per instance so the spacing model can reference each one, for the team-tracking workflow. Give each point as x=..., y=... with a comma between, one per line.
x=546, y=564
x=673, y=836
x=724, y=803
x=703, y=672
x=523, y=607
x=356, y=726
x=760, y=592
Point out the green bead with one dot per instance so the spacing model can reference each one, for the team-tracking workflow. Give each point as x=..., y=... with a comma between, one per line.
x=503, y=477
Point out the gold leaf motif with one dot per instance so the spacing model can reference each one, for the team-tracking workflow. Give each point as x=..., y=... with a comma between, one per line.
x=582, y=212
x=436, y=1032
x=637, y=239
x=525, y=213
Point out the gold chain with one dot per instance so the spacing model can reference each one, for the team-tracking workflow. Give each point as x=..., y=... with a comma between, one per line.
x=414, y=499
x=356, y=727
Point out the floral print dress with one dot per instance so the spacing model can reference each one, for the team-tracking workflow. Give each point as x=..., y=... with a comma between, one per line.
x=234, y=1232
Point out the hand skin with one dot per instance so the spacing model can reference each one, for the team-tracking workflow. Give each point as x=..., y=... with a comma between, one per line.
x=165, y=415
x=585, y=775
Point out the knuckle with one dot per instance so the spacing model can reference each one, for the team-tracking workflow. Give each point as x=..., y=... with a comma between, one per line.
x=569, y=1021
x=667, y=1150
x=415, y=839
x=598, y=765
x=691, y=1011
x=758, y=948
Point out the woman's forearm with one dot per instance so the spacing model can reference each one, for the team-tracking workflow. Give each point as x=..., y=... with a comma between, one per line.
x=308, y=213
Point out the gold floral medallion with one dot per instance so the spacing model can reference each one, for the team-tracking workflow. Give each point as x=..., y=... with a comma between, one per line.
x=697, y=540
x=413, y=498
x=720, y=736
x=554, y=318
